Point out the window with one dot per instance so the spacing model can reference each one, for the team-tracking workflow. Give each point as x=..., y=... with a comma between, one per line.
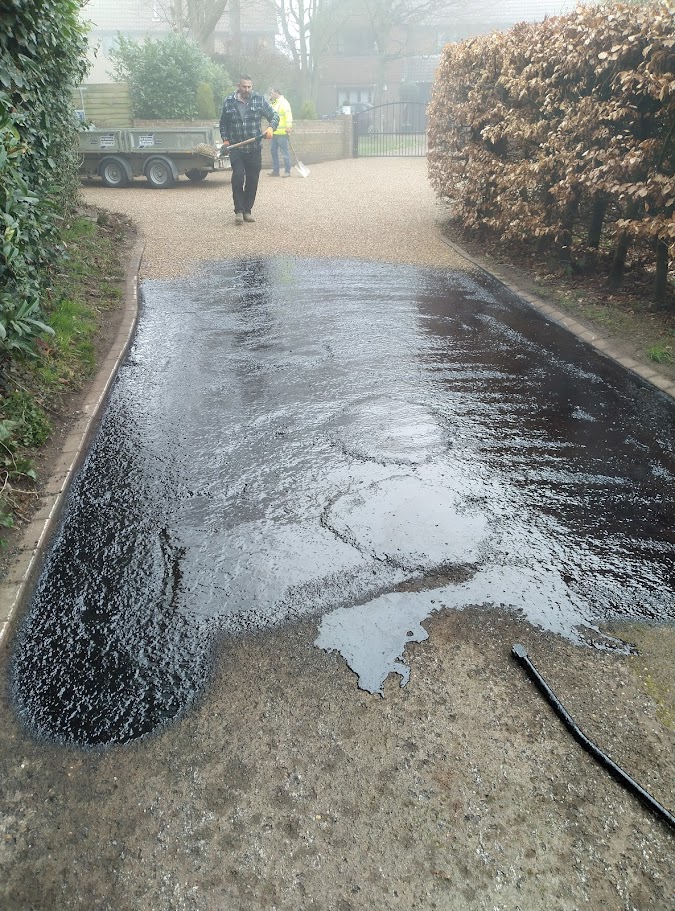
x=356, y=43
x=353, y=95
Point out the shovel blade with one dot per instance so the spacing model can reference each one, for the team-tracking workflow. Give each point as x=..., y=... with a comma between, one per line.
x=302, y=170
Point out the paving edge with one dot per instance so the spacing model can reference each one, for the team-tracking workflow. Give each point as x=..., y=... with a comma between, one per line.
x=23, y=572
x=601, y=343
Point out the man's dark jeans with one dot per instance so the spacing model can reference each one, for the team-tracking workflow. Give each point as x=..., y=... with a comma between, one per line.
x=245, y=174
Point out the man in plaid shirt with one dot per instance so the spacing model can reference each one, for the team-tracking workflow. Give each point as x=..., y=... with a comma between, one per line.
x=241, y=120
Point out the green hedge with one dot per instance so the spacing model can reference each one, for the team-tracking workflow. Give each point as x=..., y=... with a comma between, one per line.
x=42, y=60
x=168, y=78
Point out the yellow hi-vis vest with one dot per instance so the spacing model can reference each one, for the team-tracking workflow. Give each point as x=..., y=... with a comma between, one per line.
x=283, y=109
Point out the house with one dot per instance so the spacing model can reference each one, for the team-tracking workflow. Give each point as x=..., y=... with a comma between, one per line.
x=352, y=71
x=245, y=24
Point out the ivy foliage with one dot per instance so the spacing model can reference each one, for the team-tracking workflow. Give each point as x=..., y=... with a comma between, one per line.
x=561, y=134
x=42, y=59
x=167, y=77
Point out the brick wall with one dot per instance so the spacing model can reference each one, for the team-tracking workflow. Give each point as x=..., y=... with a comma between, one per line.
x=313, y=140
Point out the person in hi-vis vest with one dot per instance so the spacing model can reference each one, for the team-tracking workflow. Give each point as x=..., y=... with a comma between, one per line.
x=280, y=138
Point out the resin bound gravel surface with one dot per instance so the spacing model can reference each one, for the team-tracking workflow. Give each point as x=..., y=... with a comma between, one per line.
x=281, y=784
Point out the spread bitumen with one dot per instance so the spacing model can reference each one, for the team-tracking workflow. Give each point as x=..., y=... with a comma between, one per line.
x=359, y=443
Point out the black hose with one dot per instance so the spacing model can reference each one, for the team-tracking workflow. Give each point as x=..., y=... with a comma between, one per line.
x=520, y=654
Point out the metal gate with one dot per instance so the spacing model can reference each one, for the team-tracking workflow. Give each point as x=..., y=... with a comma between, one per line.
x=397, y=129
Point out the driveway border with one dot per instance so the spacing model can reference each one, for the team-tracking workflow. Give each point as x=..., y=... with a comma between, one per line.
x=601, y=343
x=23, y=572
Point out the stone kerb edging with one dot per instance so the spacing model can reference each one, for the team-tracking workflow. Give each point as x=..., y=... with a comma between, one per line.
x=22, y=575
x=598, y=341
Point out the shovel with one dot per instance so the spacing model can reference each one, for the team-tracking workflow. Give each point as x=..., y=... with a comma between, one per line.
x=225, y=150
x=299, y=166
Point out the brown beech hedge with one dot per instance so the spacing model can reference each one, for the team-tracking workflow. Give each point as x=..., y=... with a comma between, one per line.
x=561, y=134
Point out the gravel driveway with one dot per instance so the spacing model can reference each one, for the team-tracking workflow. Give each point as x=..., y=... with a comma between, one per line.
x=371, y=209
x=286, y=788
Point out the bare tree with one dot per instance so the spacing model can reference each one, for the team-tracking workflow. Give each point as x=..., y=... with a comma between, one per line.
x=203, y=17
x=391, y=22
x=308, y=28
x=196, y=19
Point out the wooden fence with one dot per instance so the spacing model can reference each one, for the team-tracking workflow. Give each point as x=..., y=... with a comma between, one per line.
x=105, y=104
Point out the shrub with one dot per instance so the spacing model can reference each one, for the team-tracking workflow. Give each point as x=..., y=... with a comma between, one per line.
x=42, y=47
x=206, y=106
x=409, y=91
x=31, y=425
x=307, y=111
x=560, y=134
x=218, y=78
x=164, y=76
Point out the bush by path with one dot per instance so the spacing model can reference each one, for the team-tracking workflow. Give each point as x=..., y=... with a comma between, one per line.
x=42, y=48
x=42, y=59
x=561, y=135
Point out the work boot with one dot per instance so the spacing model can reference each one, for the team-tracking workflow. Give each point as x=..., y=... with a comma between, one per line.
x=248, y=217
x=273, y=173
x=286, y=174
x=238, y=218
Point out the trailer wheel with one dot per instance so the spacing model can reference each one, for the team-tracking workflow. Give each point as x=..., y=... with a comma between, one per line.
x=113, y=173
x=159, y=174
x=195, y=175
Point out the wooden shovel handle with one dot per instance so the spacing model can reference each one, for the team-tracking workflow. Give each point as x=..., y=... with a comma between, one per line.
x=245, y=142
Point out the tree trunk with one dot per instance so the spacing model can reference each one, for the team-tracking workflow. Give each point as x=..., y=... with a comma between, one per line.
x=204, y=16
x=547, y=204
x=621, y=251
x=661, y=282
x=235, y=34
x=619, y=260
x=598, y=211
x=569, y=217
x=312, y=90
x=309, y=86
x=380, y=78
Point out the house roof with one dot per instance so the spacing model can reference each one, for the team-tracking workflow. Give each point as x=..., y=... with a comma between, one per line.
x=147, y=16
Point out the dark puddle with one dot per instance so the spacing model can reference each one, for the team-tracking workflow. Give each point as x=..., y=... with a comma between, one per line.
x=359, y=441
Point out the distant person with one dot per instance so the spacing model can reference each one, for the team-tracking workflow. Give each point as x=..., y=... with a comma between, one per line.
x=281, y=134
x=240, y=120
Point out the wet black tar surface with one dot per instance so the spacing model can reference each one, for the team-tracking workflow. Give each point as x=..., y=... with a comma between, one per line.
x=363, y=443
